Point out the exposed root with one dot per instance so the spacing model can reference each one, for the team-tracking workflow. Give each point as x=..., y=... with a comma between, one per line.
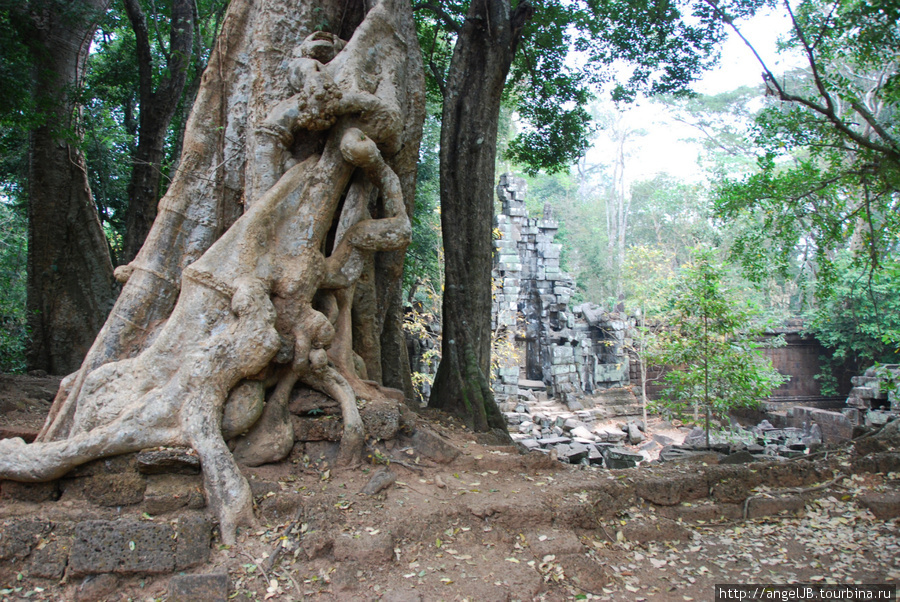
x=245, y=308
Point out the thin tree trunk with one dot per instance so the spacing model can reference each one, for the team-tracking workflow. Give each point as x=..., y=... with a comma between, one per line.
x=70, y=279
x=157, y=107
x=481, y=61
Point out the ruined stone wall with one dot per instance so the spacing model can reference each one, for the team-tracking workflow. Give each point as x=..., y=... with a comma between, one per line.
x=573, y=351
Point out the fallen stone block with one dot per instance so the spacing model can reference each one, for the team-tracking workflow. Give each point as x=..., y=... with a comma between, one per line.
x=613, y=435
x=573, y=453
x=662, y=529
x=199, y=588
x=617, y=458
x=583, y=432
x=433, y=446
x=762, y=506
x=553, y=441
x=635, y=436
x=367, y=549
x=834, y=426
x=741, y=457
x=884, y=506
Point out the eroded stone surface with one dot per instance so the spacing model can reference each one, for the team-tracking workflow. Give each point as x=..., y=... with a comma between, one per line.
x=200, y=588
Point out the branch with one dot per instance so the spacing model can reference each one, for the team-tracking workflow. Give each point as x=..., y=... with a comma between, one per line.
x=438, y=78
x=523, y=13
x=441, y=15
x=810, y=57
x=892, y=152
x=142, y=43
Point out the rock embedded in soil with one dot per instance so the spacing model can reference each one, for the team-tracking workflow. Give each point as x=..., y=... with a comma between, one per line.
x=211, y=587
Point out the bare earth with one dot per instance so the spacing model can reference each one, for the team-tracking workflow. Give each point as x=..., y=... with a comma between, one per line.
x=497, y=525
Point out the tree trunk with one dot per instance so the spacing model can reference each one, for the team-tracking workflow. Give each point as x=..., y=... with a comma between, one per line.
x=481, y=60
x=217, y=315
x=157, y=107
x=70, y=278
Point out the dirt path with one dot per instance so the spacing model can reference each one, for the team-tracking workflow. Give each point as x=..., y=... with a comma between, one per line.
x=495, y=525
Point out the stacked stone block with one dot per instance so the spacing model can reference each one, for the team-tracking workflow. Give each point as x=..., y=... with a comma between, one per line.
x=873, y=398
x=574, y=351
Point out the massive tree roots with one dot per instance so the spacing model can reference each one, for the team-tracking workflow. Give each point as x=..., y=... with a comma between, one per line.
x=268, y=305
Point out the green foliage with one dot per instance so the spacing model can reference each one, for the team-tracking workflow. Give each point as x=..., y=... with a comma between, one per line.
x=722, y=122
x=828, y=174
x=713, y=345
x=647, y=272
x=669, y=214
x=666, y=44
x=423, y=263
x=859, y=323
x=13, y=255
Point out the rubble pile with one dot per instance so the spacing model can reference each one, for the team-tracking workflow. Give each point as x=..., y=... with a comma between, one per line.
x=874, y=398
x=582, y=437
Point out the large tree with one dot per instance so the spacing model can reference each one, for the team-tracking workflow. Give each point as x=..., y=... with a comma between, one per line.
x=474, y=87
x=70, y=278
x=472, y=49
x=225, y=310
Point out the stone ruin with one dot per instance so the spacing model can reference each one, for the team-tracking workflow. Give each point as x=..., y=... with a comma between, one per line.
x=567, y=352
x=874, y=398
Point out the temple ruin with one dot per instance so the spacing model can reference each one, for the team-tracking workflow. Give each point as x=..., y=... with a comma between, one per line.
x=572, y=352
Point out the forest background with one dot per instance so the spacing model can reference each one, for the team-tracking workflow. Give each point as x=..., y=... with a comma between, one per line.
x=795, y=191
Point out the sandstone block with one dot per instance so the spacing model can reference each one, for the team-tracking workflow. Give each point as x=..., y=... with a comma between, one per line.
x=432, y=446
x=884, y=506
x=170, y=460
x=122, y=546
x=199, y=588
x=366, y=549
x=169, y=492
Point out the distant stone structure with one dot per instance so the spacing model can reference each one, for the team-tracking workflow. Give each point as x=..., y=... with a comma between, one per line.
x=874, y=398
x=572, y=352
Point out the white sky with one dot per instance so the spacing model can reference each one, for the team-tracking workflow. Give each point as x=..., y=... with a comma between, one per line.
x=664, y=147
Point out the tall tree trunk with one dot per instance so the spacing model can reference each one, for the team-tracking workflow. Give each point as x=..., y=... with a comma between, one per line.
x=481, y=61
x=157, y=107
x=222, y=313
x=70, y=279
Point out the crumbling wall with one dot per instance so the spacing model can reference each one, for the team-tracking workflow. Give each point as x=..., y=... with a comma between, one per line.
x=573, y=351
x=874, y=398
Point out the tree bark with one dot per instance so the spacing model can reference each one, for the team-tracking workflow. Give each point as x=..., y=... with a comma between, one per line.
x=157, y=107
x=220, y=310
x=481, y=61
x=70, y=278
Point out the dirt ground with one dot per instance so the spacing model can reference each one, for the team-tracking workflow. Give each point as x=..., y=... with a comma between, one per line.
x=496, y=525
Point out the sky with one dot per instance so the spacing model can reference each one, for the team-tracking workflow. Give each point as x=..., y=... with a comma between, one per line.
x=664, y=148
